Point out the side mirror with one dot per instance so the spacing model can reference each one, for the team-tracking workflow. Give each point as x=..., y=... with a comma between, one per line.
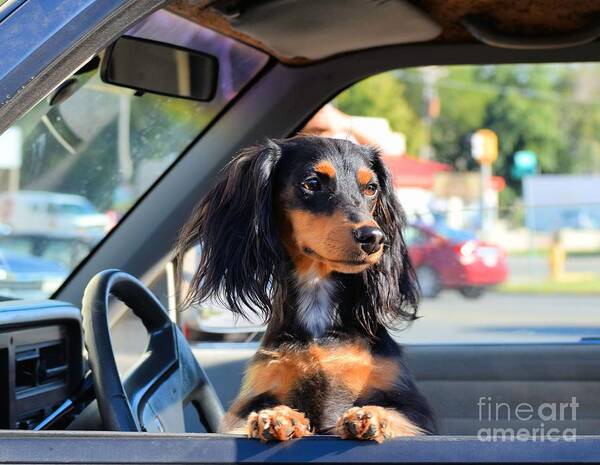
x=160, y=68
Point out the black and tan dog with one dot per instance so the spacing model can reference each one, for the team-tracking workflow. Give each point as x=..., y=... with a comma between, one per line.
x=307, y=232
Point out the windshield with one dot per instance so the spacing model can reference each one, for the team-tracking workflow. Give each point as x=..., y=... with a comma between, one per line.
x=74, y=165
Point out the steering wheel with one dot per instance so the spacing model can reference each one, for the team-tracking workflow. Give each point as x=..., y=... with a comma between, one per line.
x=167, y=379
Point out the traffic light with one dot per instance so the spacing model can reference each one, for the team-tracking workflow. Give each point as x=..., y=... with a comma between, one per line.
x=524, y=164
x=484, y=146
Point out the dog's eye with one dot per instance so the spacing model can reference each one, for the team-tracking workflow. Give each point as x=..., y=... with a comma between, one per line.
x=312, y=184
x=371, y=189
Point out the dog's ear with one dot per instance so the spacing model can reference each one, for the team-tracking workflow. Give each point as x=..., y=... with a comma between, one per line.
x=392, y=283
x=240, y=251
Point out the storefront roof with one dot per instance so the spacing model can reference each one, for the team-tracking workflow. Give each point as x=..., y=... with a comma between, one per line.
x=408, y=171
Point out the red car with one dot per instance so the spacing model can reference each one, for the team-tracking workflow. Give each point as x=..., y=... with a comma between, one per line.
x=452, y=259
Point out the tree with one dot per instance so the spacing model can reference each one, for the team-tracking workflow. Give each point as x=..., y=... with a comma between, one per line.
x=463, y=107
x=551, y=109
x=526, y=115
x=383, y=96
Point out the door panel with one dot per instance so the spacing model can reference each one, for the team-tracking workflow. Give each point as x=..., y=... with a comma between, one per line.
x=225, y=365
x=52, y=447
x=455, y=378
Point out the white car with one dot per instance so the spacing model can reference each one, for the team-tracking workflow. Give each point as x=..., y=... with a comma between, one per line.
x=50, y=212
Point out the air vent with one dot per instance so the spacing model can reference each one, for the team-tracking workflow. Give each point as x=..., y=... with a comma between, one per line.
x=40, y=361
x=39, y=366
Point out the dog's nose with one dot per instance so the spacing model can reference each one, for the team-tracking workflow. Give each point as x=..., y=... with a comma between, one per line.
x=369, y=238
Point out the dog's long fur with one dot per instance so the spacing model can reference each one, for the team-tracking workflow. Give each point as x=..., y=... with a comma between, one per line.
x=264, y=233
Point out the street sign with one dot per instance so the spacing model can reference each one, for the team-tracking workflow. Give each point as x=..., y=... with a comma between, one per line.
x=524, y=164
x=484, y=146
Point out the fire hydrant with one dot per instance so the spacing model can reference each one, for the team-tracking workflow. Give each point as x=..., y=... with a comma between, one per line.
x=557, y=257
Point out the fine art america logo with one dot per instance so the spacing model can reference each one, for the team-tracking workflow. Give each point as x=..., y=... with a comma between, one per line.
x=528, y=422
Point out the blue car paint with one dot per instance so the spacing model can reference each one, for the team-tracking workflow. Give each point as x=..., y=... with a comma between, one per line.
x=19, y=263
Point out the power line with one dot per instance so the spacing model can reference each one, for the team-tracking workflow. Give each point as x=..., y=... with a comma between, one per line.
x=528, y=92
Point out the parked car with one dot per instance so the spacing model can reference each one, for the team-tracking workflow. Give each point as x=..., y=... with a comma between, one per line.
x=50, y=212
x=68, y=250
x=28, y=277
x=450, y=259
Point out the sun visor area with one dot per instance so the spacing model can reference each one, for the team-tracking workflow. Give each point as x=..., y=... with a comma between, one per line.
x=316, y=29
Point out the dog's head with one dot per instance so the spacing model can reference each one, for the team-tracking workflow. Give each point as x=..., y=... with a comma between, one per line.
x=317, y=207
x=326, y=194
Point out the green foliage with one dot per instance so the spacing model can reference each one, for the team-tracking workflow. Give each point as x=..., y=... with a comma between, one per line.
x=384, y=96
x=524, y=120
x=463, y=108
x=550, y=109
x=581, y=118
x=511, y=207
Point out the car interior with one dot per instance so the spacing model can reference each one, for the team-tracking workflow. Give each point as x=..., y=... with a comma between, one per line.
x=139, y=114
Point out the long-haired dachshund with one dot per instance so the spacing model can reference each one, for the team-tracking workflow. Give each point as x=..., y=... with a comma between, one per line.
x=307, y=232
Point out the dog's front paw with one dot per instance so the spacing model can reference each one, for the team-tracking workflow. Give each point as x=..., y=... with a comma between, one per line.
x=279, y=423
x=374, y=423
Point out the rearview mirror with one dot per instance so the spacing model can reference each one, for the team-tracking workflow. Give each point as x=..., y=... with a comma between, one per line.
x=160, y=68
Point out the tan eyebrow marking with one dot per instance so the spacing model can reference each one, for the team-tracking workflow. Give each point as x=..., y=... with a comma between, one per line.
x=364, y=175
x=325, y=167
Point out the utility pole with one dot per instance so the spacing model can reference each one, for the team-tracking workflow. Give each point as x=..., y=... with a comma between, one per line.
x=431, y=106
x=484, y=149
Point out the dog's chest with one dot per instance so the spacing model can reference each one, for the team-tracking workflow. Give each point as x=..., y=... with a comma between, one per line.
x=321, y=380
x=315, y=312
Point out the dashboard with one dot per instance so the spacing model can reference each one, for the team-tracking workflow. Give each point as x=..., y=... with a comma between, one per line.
x=41, y=362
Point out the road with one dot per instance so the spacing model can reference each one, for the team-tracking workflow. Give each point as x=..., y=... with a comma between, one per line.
x=498, y=318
